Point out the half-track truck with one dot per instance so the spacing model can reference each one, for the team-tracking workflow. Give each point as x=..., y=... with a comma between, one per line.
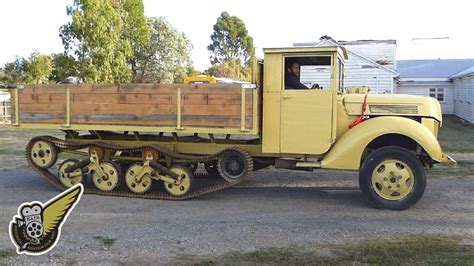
x=146, y=140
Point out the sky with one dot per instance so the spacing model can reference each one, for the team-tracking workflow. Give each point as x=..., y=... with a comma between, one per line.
x=28, y=25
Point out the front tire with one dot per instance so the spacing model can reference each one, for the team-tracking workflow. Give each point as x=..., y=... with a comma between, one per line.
x=392, y=178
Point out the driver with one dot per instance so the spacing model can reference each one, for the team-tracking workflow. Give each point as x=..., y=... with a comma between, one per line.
x=292, y=76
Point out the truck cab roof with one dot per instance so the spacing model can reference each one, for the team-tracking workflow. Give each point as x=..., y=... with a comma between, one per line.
x=308, y=49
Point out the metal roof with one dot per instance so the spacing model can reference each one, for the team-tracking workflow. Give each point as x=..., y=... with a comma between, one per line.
x=466, y=71
x=439, y=68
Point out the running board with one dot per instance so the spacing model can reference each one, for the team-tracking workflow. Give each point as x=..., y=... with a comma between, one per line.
x=296, y=165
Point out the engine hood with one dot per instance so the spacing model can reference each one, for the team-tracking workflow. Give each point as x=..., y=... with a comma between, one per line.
x=393, y=104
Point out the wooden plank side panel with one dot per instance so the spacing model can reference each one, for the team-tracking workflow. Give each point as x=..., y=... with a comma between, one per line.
x=135, y=88
x=161, y=98
x=137, y=104
x=42, y=118
x=120, y=98
x=51, y=97
x=121, y=109
x=43, y=108
x=144, y=109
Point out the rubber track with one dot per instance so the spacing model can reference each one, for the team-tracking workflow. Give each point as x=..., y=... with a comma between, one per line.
x=124, y=192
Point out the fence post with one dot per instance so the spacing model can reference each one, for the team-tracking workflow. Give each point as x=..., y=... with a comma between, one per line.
x=4, y=111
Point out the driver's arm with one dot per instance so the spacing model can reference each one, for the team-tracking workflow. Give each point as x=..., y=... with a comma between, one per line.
x=291, y=82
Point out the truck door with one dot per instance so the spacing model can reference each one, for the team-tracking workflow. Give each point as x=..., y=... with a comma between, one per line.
x=307, y=114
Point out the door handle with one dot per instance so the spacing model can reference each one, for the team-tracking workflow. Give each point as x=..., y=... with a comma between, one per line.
x=286, y=97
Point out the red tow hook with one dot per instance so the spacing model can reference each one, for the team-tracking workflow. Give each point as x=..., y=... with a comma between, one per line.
x=361, y=116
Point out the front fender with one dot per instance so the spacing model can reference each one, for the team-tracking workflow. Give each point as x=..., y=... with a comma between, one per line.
x=346, y=153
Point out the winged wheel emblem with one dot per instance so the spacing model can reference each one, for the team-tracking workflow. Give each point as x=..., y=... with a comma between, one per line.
x=36, y=228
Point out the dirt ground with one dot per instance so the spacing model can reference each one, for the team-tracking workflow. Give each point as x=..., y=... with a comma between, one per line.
x=273, y=209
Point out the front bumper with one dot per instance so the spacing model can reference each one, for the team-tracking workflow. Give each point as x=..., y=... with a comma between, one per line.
x=446, y=159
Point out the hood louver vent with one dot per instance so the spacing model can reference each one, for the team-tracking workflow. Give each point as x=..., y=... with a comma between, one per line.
x=393, y=109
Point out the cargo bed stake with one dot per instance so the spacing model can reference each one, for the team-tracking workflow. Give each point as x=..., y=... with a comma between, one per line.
x=68, y=108
x=178, y=110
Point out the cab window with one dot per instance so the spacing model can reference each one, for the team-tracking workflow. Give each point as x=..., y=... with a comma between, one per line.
x=310, y=72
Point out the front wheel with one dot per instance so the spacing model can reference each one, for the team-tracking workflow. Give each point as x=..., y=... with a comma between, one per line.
x=392, y=178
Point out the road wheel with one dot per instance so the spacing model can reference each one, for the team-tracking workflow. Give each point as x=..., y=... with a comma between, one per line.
x=111, y=179
x=136, y=183
x=183, y=184
x=392, y=178
x=70, y=179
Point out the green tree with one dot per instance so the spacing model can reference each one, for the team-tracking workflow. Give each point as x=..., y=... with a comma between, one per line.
x=63, y=66
x=229, y=69
x=35, y=69
x=230, y=41
x=167, y=58
x=38, y=68
x=191, y=71
x=104, y=35
x=14, y=72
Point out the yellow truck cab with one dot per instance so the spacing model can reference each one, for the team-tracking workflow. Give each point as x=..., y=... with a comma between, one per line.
x=388, y=138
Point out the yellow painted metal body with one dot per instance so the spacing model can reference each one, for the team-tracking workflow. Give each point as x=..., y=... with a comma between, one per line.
x=393, y=105
x=362, y=89
x=299, y=121
x=347, y=151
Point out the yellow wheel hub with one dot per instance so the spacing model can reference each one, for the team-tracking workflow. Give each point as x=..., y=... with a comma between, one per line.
x=43, y=154
x=183, y=184
x=137, y=180
x=111, y=178
x=72, y=178
x=393, y=180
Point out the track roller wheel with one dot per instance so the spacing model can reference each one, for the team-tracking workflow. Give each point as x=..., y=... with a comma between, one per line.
x=234, y=165
x=183, y=184
x=111, y=178
x=43, y=154
x=70, y=179
x=135, y=182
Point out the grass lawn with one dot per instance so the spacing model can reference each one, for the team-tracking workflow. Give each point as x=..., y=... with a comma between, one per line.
x=455, y=136
x=409, y=250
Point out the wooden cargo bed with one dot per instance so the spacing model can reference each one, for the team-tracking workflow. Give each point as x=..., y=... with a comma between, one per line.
x=193, y=108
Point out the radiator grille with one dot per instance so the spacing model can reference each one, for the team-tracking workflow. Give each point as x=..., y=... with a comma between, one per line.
x=393, y=109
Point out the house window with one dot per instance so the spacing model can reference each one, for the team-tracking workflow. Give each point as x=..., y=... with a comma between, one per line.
x=437, y=93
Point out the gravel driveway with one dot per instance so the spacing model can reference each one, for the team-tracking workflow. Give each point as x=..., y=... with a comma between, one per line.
x=273, y=209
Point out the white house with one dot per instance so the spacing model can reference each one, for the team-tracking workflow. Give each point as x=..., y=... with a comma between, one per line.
x=371, y=63
x=435, y=78
x=464, y=94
